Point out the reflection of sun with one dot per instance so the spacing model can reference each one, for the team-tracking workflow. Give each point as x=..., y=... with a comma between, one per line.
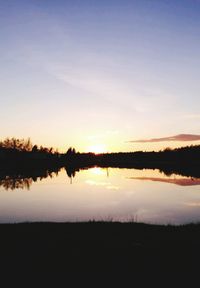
x=97, y=148
x=97, y=171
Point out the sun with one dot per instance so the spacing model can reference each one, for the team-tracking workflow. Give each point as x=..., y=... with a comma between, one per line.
x=97, y=148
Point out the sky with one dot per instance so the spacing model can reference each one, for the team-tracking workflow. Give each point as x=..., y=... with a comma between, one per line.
x=99, y=75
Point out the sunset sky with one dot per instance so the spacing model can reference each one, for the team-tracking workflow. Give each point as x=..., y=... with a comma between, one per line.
x=100, y=75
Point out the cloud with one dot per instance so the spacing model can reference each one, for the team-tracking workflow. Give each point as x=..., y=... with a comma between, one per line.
x=192, y=116
x=180, y=137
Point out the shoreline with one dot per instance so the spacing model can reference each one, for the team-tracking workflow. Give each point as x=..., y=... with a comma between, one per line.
x=100, y=247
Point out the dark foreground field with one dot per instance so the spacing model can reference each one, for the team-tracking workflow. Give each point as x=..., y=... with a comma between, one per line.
x=133, y=249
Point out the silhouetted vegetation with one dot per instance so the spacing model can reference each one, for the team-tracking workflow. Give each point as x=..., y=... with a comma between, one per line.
x=21, y=155
x=96, y=247
x=22, y=163
x=11, y=179
x=184, y=161
x=16, y=144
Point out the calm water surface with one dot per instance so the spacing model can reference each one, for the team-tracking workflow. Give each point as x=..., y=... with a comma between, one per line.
x=102, y=194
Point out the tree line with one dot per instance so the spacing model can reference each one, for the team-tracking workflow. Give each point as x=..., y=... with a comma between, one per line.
x=24, y=145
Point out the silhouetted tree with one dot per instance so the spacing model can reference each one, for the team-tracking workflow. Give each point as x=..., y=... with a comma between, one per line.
x=71, y=152
x=17, y=144
x=35, y=148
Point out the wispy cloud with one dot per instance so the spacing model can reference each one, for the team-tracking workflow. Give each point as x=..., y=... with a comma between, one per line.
x=192, y=116
x=180, y=137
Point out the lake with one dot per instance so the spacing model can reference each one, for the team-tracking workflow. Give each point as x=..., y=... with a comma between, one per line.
x=108, y=194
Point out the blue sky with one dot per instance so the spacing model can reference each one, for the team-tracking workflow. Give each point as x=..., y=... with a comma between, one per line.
x=86, y=73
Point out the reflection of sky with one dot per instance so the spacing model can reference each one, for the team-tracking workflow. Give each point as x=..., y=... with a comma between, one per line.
x=103, y=194
x=109, y=69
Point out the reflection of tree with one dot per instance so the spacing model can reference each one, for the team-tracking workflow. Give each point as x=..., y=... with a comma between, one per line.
x=22, y=180
x=187, y=181
x=71, y=171
x=22, y=164
x=11, y=183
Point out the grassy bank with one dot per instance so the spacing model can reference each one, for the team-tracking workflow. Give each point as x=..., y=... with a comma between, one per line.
x=100, y=247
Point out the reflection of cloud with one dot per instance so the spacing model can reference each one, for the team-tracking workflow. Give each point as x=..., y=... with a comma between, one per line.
x=97, y=171
x=112, y=187
x=107, y=185
x=193, y=204
x=94, y=183
x=180, y=137
x=181, y=181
